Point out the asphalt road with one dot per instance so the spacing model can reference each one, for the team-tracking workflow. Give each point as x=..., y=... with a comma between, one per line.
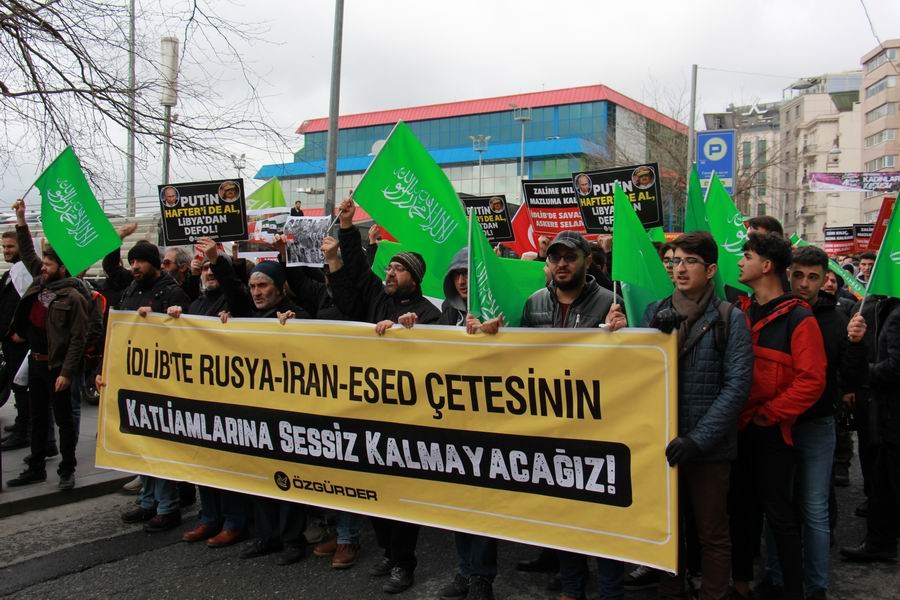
x=82, y=550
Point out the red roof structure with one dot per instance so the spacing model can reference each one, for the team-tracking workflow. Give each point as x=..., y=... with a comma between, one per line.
x=576, y=95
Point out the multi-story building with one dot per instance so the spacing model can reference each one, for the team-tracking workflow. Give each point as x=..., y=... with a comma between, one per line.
x=880, y=100
x=820, y=132
x=757, y=138
x=564, y=131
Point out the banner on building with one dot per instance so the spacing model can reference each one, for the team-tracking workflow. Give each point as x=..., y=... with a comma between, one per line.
x=879, y=181
x=214, y=209
x=553, y=206
x=549, y=438
x=862, y=233
x=492, y=214
x=839, y=240
x=881, y=223
x=595, y=195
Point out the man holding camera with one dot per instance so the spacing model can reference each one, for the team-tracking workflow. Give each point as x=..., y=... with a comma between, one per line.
x=714, y=372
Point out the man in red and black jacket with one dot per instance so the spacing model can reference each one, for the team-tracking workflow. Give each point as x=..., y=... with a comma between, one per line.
x=788, y=378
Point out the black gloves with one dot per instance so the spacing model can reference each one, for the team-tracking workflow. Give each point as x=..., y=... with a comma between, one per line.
x=667, y=320
x=681, y=450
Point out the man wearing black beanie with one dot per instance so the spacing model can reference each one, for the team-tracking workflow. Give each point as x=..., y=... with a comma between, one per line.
x=151, y=290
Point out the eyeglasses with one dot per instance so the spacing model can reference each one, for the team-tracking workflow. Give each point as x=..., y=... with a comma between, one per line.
x=168, y=262
x=395, y=268
x=690, y=261
x=569, y=257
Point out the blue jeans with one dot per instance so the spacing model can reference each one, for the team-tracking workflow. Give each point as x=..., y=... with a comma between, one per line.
x=477, y=555
x=223, y=509
x=161, y=493
x=814, y=441
x=573, y=574
x=348, y=525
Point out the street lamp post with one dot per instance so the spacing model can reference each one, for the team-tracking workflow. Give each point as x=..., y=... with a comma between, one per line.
x=169, y=97
x=522, y=114
x=239, y=162
x=480, y=145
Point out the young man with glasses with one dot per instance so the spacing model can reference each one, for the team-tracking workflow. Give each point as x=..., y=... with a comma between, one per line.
x=714, y=372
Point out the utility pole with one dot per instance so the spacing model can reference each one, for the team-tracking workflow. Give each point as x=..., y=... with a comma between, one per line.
x=333, y=108
x=129, y=169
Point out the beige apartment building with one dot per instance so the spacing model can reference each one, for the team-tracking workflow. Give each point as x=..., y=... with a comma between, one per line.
x=820, y=132
x=880, y=101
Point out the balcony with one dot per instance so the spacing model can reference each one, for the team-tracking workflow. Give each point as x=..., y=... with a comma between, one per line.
x=809, y=150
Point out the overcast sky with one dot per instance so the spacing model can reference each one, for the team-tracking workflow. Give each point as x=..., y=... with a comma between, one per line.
x=399, y=53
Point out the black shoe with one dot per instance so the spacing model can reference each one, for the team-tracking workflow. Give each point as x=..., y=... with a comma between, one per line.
x=15, y=441
x=291, y=555
x=161, y=523
x=67, y=481
x=641, y=578
x=546, y=562
x=12, y=428
x=866, y=552
x=138, y=515
x=766, y=590
x=28, y=477
x=259, y=548
x=480, y=588
x=554, y=584
x=456, y=589
x=862, y=510
x=400, y=580
x=382, y=567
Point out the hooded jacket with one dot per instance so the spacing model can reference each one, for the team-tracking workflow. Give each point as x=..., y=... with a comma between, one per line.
x=453, y=311
x=789, y=362
x=159, y=294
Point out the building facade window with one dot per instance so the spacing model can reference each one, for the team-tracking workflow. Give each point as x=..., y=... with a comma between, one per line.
x=746, y=155
x=881, y=85
x=881, y=137
x=882, y=58
x=888, y=161
x=888, y=108
x=760, y=152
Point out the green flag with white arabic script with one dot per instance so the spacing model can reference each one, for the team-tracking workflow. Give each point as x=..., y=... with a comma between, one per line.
x=406, y=192
x=885, y=279
x=73, y=222
x=637, y=266
x=498, y=285
x=726, y=224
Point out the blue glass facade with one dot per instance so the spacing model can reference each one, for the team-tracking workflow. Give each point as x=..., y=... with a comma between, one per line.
x=587, y=120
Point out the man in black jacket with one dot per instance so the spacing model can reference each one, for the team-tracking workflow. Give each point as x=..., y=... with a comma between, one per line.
x=279, y=523
x=13, y=352
x=883, y=518
x=357, y=290
x=151, y=290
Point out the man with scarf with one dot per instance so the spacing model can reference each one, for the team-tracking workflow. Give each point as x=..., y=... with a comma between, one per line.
x=714, y=370
x=53, y=317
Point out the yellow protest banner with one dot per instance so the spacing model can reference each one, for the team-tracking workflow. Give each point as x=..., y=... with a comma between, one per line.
x=549, y=437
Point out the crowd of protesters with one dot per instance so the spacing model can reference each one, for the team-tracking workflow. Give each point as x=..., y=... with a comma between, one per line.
x=771, y=385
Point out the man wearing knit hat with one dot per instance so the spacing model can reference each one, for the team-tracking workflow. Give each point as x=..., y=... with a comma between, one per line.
x=152, y=290
x=355, y=287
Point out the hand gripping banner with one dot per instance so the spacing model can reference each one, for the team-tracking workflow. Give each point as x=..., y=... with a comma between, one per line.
x=549, y=437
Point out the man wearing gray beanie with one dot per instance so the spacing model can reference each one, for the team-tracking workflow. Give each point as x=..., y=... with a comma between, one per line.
x=355, y=287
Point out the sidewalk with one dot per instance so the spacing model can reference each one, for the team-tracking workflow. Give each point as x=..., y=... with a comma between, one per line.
x=89, y=480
